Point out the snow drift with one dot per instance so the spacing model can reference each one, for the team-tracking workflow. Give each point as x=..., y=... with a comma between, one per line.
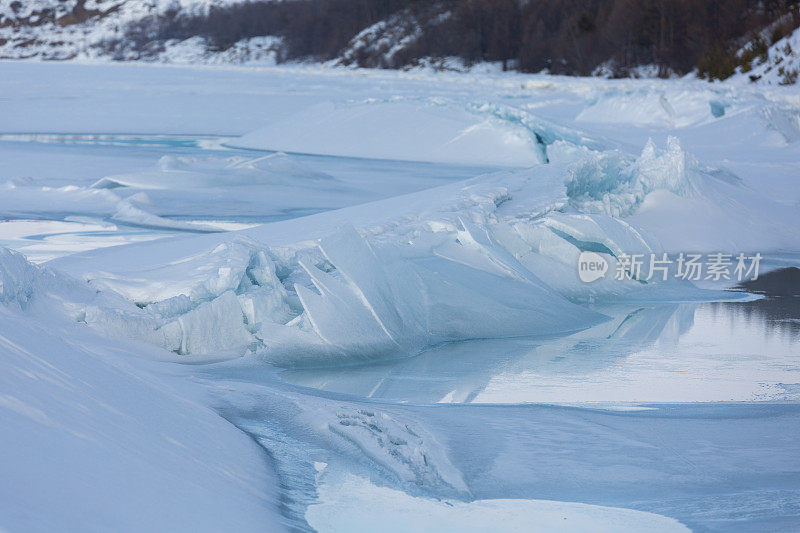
x=655, y=106
x=404, y=130
x=88, y=428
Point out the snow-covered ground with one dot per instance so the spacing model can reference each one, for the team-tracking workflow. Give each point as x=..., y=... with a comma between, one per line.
x=249, y=294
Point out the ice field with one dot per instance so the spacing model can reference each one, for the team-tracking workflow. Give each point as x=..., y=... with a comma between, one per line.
x=342, y=300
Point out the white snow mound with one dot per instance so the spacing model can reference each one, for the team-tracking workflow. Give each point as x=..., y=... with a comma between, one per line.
x=400, y=130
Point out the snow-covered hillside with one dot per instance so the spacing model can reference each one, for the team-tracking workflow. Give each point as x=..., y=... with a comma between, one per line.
x=83, y=29
x=424, y=35
x=779, y=66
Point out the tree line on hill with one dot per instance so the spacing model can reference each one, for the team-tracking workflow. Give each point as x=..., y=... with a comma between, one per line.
x=572, y=37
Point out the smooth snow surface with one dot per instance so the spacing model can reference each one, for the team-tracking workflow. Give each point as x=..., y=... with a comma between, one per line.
x=337, y=300
x=91, y=438
x=354, y=504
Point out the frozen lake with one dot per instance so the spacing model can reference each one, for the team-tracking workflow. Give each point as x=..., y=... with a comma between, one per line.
x=311, y=299
x=722, y=351
x=68, y=165
x=677, y=409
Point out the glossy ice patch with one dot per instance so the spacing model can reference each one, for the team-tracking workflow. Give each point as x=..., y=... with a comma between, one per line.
x=747, y=351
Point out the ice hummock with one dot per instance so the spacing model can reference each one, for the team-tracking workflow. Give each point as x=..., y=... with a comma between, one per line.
x=370, y=303
x=483, y=261
x=612, y=184
x=494, y=256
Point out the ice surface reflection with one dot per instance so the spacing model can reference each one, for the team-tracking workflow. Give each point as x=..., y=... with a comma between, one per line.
x=726, y=351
